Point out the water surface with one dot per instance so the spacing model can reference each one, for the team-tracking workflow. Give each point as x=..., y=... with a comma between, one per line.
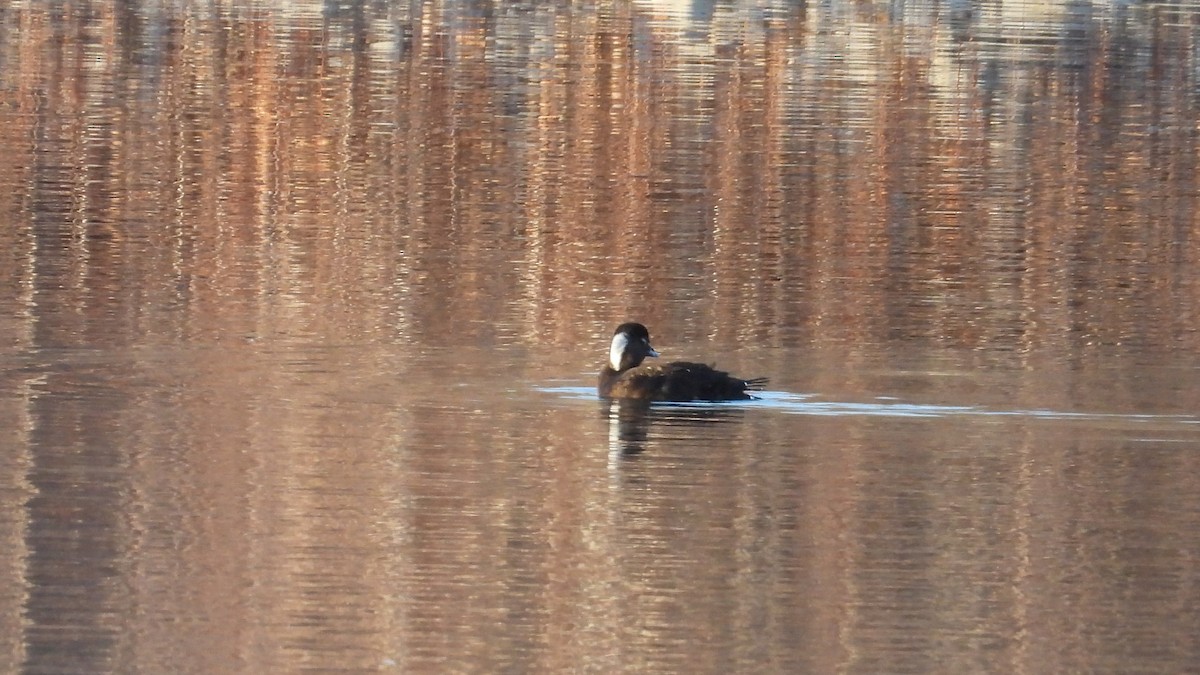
x=301, y=308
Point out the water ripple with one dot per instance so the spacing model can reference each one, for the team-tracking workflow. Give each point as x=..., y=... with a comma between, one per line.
x=810, y=404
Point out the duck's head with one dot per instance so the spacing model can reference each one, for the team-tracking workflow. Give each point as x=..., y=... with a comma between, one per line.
x=630, y=346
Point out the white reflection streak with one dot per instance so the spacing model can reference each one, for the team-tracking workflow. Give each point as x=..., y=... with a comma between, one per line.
x=614, y=448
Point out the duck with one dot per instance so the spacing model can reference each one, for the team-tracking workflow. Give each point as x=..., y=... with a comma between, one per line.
x=624, y=376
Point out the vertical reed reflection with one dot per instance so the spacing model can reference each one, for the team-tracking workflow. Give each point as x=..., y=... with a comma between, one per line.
x=877, y=181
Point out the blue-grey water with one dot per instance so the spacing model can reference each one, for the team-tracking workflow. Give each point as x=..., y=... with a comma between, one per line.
x=301, y=306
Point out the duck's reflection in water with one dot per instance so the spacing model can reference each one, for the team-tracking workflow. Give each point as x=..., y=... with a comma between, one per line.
x=634, y=424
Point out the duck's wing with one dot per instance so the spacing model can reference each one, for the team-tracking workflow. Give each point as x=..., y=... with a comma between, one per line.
x=645, y=382
x=708, y=383
x=681, y=381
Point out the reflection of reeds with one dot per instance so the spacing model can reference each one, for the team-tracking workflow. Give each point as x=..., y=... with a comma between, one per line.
x=811, y=177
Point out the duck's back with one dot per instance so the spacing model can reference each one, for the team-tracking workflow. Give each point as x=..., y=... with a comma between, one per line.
x=678, y=381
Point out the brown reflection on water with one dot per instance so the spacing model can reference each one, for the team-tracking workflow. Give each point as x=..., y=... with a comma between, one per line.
x=277, y=283
x=822, y=188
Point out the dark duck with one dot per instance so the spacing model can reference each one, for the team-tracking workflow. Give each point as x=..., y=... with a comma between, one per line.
x=624, y=376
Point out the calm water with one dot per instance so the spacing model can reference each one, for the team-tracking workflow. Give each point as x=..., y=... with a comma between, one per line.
x=301, y=306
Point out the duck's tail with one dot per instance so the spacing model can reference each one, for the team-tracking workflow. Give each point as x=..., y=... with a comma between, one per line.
x=756, y=383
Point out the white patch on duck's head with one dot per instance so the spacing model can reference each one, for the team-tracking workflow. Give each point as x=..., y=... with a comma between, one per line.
x=617, y=350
